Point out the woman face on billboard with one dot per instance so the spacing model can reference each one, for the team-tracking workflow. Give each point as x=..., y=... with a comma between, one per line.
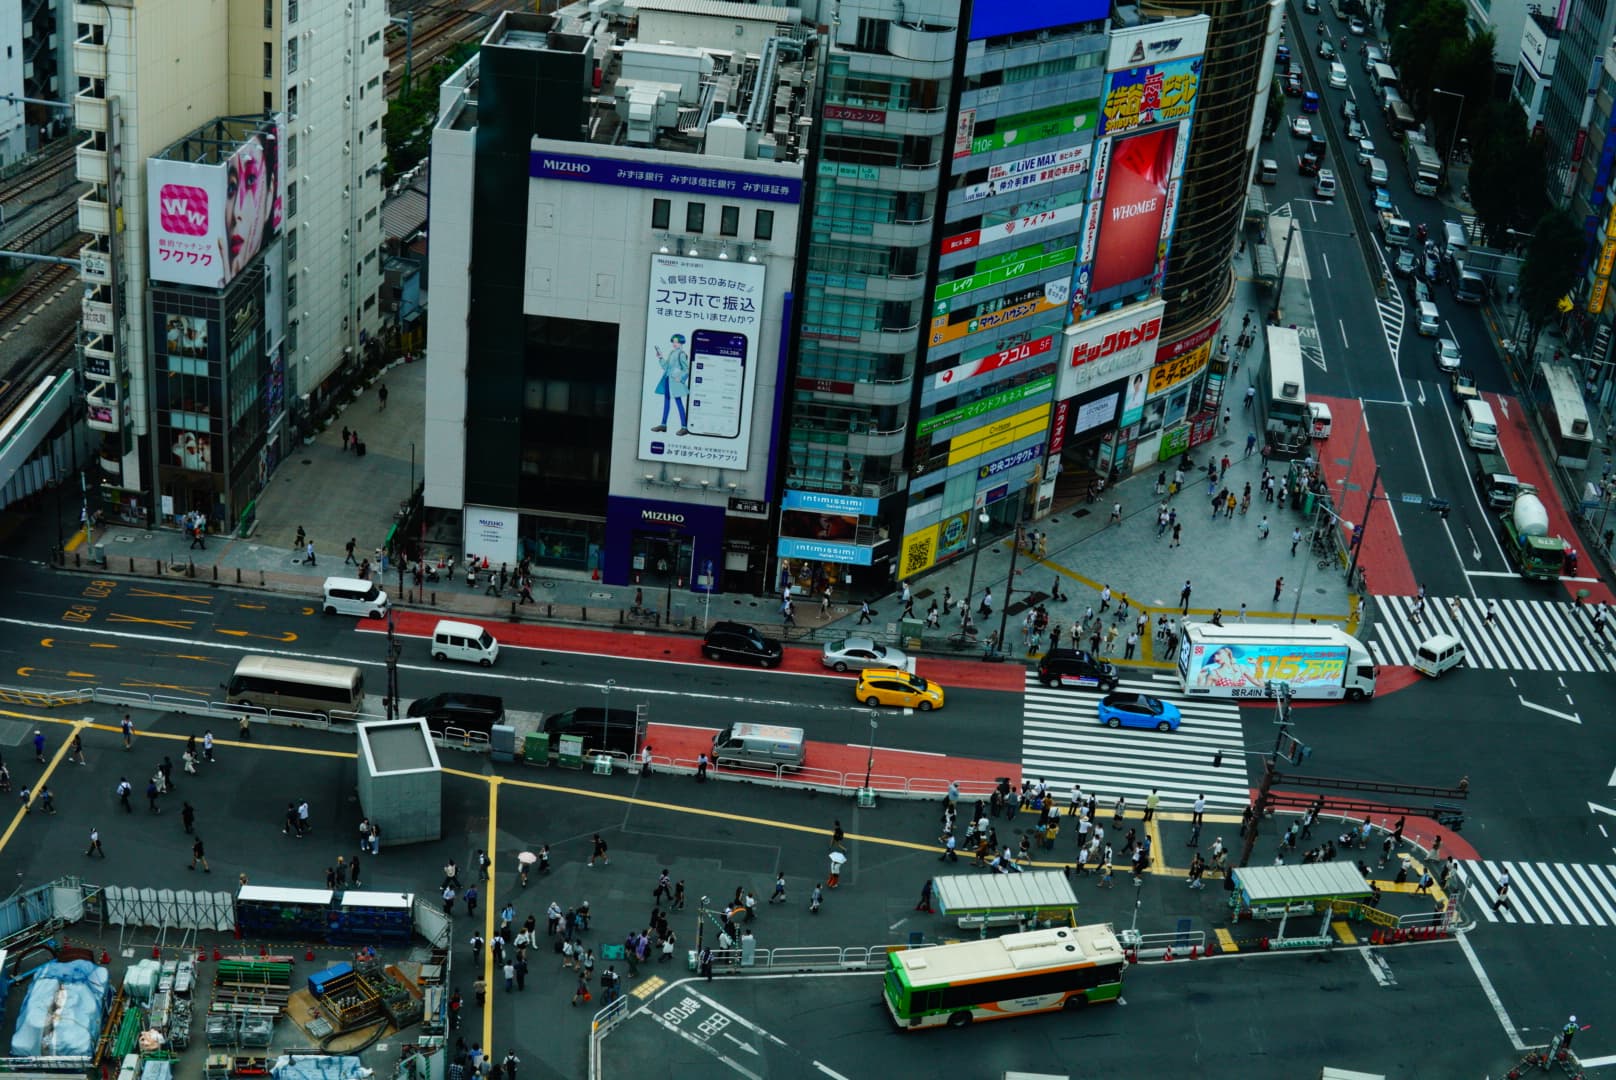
x=248, y=202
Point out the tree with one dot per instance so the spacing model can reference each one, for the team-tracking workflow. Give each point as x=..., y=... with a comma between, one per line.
x=1463, y=70
x=1508, y=171
x=1549, y=271
x=1412, y=52
x=407, y=126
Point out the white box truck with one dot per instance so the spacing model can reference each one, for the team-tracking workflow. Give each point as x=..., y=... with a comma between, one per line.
x=1321, y=663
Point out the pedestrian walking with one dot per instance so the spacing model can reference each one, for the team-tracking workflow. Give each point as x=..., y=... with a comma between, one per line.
x=1198, y=810
x=95, y=844
x=1105, y=599
x=598, y=851
x=864, y=612
x=308, y=554
x=77, y=751
x=1490, y=617
x=949, y=853
x=1152, y=801
x=1262, y=528
x=816, y=899
x=124, y=790
x=187, y=816
x=1184, y=597
x=779, y=895
x=701, y=768
x=1251, y=442
x=199, y=855
x=925, y=897
x=39, y=745
x=1130, y=646
x=151, y=797
x=664, y=887
x=381, y=395
x=349, y=547
x=1279, y=587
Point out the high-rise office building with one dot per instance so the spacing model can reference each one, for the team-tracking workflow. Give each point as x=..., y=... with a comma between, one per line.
x=297, y=87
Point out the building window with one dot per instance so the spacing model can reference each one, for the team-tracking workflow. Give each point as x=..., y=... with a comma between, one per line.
x=291, y=10
x=764, y=229
x=291, y=199
x=291, y=103
x=291, y=336
x=661, y=213
x=269, y=14
x=291, y=289
x=269, y=101
x=291, y=151
x=729, y=221
x=291, y=56
x=291, y=245
x=370, y=303
x=695, y=217
x=269, y=59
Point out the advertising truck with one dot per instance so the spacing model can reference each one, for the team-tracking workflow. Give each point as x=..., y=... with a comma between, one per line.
x=1320, y=663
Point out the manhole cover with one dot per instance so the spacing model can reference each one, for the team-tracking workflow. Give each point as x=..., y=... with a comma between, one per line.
x=547, y=584
x=600, y=596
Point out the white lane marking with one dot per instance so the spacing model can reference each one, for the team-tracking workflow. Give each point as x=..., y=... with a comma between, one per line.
x=1378, y=968
x=1573, y=717
x=828, y=1071
x=1491, y=993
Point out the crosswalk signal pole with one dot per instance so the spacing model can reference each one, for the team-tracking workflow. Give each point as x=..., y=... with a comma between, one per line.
x=1363, y=527
x=1281, y=692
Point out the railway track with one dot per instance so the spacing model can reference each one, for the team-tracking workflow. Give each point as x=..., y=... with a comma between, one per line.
x=438, y=29
x=26, y=373
x=60, y=159
x=39, y=285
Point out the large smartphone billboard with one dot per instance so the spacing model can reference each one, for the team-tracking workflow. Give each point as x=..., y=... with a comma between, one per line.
x=207, y=220
x=1130, y=244
x=702, y=322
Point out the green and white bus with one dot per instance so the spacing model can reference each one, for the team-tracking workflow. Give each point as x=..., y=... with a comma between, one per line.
x=1013, y=975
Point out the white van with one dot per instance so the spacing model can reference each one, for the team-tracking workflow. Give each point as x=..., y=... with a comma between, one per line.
x=1338, y=76
x=351, y=596
x=1480, y=429
x=1437, y=654
x=1428, y=321
x=764, y=746
x=1455, y=245
x=1377, y=171
x=1372, y=56
x=1268, y=173
x=464, y=641
x=1322, y=420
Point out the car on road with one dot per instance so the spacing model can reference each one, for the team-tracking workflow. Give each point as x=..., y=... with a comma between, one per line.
x=1301, y=127
x=1074, y=667
x=858, y=653
x=1366, y=148
x=1317, y=143
x=742, y=643
x=1464, y=386
x=1311, y=7
x=1356, y=26
x=1138, y=711
x=1327, y=49
x=892, y=686
x=1379, y=197
x=1349, y=109
x=1407, y=262
x=1310, y=102
x=1431, y=266
x=1418, y=290
x=1293, y=84
x=1356, y=132
x=1307, y=164
x=1324, y=184
x=1338, y=75
x=1447, y=355
x=1428, y=319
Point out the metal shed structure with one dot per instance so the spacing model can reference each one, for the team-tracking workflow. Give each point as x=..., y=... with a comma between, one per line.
x=1280, y=891
x=1042, y=897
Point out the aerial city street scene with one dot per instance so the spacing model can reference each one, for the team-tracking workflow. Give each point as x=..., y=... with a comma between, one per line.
x=696, y=538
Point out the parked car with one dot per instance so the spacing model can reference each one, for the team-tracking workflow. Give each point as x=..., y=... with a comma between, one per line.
x=890, y=686
x=1138, y=711
x=1301, y=127
x=743, y=643
x=858, y=653
x=1447, y=355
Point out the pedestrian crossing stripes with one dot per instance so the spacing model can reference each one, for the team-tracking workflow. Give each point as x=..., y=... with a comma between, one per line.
x=1543, y=893
x=1063, y=742
x=1527, y=635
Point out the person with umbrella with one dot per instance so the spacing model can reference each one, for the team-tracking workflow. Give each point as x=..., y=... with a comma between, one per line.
x=524, y=860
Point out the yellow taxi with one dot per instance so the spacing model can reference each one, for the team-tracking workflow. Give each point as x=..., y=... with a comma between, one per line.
x=890, y=686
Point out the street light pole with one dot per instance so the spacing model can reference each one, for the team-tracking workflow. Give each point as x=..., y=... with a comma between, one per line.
x=869, y=762
x=1453, y=138
x=1009, y=587
x=606, y=713
x=392, y=666
x=1363, y=527
x=982, y=520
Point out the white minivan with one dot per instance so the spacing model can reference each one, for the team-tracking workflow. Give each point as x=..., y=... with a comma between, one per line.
x=1338, y=76
x=1479, y=426
x=464, y=641
x=351, y=596
x=1438, y=653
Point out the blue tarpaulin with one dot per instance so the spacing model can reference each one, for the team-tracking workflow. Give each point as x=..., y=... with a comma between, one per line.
x=63, y=1012
x=318, y=1067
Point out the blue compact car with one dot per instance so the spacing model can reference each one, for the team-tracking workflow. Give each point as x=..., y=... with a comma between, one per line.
x=1138, y=711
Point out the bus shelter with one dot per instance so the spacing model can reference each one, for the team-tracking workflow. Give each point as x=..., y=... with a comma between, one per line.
x=1278, y=892
x=1034, y=898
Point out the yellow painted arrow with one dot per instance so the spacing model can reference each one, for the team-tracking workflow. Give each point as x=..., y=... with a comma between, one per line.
x=46, y=643
x=253, y=607
x=203, y=692
x=31, y=672
x=285, y=638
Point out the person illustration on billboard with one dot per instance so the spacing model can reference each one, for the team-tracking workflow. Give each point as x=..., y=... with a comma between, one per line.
x=675, y=381
x=1223, y=669
x=192, y=451
x=252, y=200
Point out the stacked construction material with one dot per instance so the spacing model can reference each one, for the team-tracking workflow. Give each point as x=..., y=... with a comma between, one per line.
x=344, y=998
x=252, y=985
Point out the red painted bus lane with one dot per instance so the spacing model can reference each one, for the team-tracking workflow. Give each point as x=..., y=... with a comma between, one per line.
x=638, y=645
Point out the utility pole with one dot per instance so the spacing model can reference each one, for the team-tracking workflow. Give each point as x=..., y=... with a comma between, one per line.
x=1281, y=693
x=1363, y=527
x=392, y=666
x=1009, y=588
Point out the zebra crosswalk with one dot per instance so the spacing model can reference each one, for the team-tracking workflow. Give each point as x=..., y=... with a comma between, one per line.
x=1526, y=635
x=1064, y=743
x=1543, y=893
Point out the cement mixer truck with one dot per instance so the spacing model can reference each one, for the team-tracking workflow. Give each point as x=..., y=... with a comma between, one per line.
x=1526, y=534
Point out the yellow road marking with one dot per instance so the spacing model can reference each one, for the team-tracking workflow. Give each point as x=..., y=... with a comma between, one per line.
x=78, y=540
x=172, y=624
x=151, y=594
x=490, y=900
x=165, y=686
x=30, y=672
x=651, y=985
x=284, y=638
x=1226, y=942
x=1344, y=932
x=44, y=781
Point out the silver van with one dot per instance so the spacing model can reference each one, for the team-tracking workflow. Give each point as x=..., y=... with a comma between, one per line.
x=351, y=596
x=1437, y=654
x=765, y=746
x=464, y=641
x=1372, y=56
x=1479, y=426
x=1377, y=171
x=1455, y=245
